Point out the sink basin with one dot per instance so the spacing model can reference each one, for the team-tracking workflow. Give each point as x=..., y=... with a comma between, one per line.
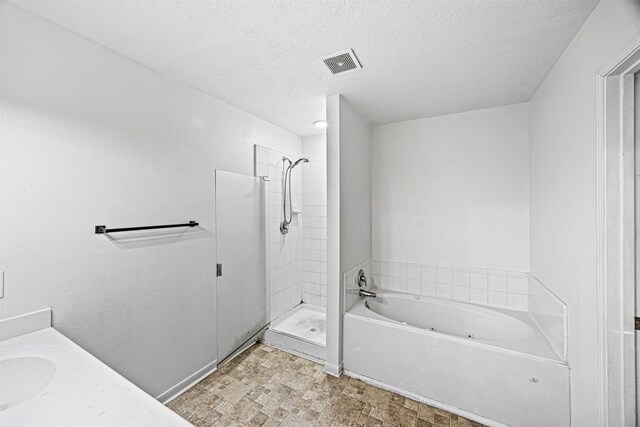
x=23, y=378
x=28, y=371
x=47, y=380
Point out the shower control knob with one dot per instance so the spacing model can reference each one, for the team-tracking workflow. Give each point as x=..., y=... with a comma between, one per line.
x=362, y=279
x=284, y=227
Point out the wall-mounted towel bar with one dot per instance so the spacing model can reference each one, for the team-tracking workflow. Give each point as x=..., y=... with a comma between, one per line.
x=102, y=229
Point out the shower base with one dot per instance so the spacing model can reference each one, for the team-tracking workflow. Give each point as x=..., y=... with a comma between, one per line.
x=301, y=331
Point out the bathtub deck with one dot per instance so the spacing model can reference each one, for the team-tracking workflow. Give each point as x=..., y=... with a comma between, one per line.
x=268, y=387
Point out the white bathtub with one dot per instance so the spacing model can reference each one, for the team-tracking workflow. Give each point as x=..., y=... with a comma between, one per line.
x=491, y=365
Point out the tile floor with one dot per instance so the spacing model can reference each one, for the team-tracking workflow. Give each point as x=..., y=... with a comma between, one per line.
x=268, y=387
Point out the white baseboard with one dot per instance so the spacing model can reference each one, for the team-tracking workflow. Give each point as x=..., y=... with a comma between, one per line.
x=452, y=409
x=333, y=370
x=244, y=347
x=187, y=383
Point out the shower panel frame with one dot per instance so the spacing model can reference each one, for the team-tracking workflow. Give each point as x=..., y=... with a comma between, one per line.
x=242, y=303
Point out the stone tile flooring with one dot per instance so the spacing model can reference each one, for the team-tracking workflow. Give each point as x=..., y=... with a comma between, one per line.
x=268, y=387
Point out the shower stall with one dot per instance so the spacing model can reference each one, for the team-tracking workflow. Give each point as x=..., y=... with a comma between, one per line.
x=296, y=244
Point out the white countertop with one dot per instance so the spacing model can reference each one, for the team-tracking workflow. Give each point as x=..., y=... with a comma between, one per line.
x=84, y=390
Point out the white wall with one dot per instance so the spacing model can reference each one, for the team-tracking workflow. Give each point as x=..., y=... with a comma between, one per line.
x=454, y=189
x=88, y=138
x=348, y=211
x=355, y=188
x=313, y=263
x=563, y=188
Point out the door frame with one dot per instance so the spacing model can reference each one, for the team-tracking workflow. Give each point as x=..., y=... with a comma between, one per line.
x=616, y=236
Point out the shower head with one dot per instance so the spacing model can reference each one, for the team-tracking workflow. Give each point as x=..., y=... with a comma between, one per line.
x=286, y=159
x=302, y=160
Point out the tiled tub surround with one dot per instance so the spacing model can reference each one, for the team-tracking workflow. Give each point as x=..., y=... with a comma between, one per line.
x=350, y=284
x=495, y=288
x=282, y=249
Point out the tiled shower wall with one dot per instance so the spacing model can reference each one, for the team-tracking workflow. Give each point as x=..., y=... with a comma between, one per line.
x=313, y=263
x=282, y=249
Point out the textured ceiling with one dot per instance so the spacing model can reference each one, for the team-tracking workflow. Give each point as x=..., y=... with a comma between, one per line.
x=419, y=58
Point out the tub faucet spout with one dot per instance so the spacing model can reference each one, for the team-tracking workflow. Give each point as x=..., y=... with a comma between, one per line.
x=369, y=294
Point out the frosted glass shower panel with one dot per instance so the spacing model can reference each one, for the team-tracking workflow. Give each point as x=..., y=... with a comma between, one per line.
x=240, y=239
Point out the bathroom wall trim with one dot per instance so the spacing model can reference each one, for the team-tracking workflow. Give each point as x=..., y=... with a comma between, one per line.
x=452, y=409
x=333, y=355
x=333, y=370
x=615, y=236
x=188, y=382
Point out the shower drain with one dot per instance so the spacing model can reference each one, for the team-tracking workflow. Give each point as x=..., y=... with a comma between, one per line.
x=312, y=329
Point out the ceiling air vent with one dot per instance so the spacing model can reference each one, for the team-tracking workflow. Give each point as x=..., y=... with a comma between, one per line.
x=342, y=61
